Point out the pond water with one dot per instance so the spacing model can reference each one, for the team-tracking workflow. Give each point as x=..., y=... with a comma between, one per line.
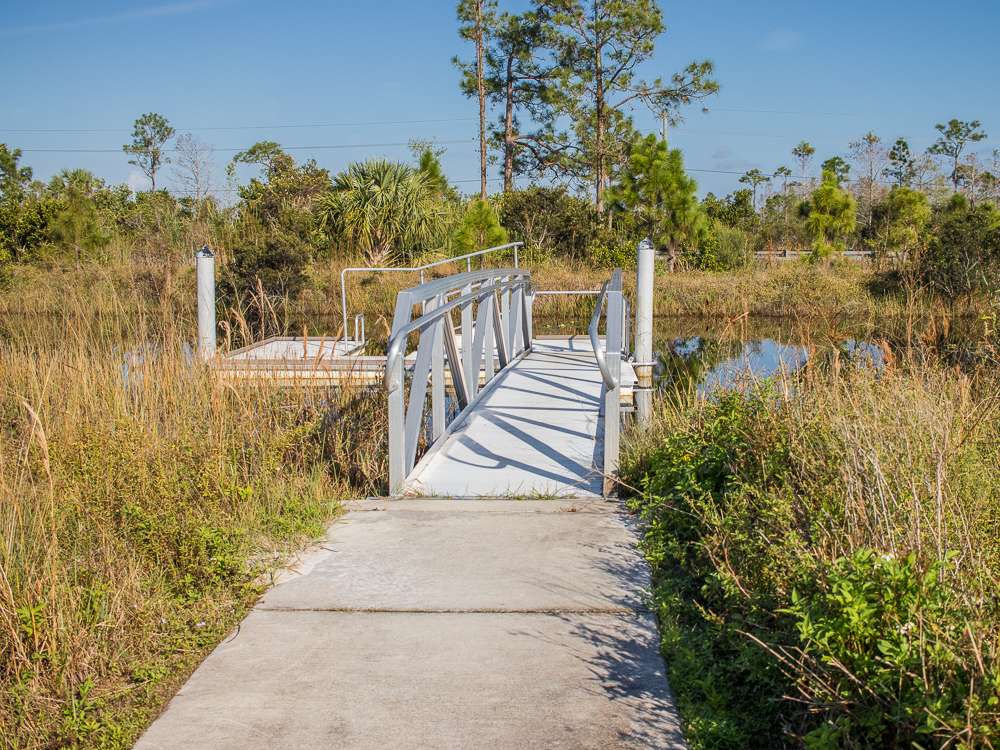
x=708, y=354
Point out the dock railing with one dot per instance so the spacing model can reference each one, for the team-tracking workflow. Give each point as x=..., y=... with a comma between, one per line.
x=609, y=359
x=494, y=308
x=515, y=246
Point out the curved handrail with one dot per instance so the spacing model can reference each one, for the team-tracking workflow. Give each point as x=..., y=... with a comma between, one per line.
x=595, y=319
x=398, y=339
x=418, y=269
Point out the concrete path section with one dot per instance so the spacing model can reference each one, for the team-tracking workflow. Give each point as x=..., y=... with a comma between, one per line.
x=443, y=624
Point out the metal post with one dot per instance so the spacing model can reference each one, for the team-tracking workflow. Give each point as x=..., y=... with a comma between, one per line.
x=205, y=263
x=437, y=373
x=644, y=331
x=612, y=396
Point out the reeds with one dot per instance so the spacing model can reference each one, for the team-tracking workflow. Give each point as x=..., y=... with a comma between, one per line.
x=143, y=502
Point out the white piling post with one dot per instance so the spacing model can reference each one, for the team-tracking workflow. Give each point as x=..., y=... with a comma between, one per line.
x=644, y=331
x=205, y=262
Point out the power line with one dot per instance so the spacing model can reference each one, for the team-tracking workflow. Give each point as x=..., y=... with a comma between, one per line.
x=784, y=112
x=246, y=127
x=60, y=150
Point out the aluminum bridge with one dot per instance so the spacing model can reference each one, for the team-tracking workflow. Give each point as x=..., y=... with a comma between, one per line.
x=485, y=409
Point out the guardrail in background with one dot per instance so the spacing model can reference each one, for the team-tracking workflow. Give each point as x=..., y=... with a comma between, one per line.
x=609, y=361
x=420, y=269
x=495, y=313
x=789, y=254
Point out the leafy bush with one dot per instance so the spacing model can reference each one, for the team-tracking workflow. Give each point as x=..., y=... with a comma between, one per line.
x=612, y=254
x=478, y=229
x=550, y=219
x=799, y=600
x=963, y=257
x=723, y=248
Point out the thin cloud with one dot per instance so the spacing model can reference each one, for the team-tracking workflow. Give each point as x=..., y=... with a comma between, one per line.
x=154, y=11
x=781, y=40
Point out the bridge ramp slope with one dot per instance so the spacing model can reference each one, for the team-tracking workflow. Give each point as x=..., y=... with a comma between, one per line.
x=535, y=433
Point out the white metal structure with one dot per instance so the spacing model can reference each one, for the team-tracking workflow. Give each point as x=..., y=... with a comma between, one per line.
x=205, y=263
x=514, y=246
x=495, y=313
x=546, y=422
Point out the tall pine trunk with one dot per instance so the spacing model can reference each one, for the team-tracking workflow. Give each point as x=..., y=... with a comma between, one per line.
x=508, y=129
x=480, y=85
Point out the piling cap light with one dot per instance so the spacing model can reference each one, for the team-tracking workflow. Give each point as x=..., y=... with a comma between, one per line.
x=204, y=253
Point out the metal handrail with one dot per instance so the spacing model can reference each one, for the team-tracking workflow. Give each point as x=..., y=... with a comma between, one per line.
x=614, y=284
x=609, y=359
x=592, y=329
x=398, y=339
x=419, y=269
x=499, y=326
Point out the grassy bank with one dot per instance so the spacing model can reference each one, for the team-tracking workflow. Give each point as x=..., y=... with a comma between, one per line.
x=825, y=559
x=792, y=289
x=143, y=509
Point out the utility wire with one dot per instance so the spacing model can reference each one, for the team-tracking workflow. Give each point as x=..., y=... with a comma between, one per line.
x=247, y=127
x=60, y=150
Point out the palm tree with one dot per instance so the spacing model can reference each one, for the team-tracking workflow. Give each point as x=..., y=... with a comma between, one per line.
x=385, y=210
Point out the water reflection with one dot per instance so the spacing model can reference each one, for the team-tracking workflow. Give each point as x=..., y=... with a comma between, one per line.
x=695, y=354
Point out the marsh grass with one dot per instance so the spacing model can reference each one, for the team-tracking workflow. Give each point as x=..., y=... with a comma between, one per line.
x=142, y=512
x=140, y=516
x=825, y=552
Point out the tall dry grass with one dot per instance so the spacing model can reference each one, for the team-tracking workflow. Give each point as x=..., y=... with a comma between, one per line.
x=143, y=505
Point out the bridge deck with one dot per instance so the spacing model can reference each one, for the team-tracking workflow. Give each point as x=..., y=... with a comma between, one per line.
x=535, y=432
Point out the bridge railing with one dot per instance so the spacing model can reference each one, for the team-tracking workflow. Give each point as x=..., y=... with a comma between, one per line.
x=515, y=246
x=494, y=309
x=609, y=359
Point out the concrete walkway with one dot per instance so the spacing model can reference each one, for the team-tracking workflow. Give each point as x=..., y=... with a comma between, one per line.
x=443, y=624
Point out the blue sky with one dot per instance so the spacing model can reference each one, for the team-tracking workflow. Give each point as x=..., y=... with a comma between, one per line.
x=789, y=70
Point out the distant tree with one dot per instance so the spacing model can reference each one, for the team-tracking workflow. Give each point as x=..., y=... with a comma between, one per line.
x=149, y=135
x=734, y=210
x=901, y=168
x=599, y=44
x=193, y=167
x=870, y=156
x=479, y=228
x=519, y=79
x=267, y=154
x=803, y=154
x=13, y=177
x=784, y=173
x=754, y=178
x=831, y=215
x=383, y=210
x=475, y=17
x=901, y=222
x=657, y=191
x=78, y=224
x=429, y=165
x=838, y=167
x=953, y=139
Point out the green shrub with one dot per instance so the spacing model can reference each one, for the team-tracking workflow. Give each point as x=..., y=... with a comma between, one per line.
x=723, y=248
x=793, y=612
x=621, y=254
x=550, y=219
x=963, y=258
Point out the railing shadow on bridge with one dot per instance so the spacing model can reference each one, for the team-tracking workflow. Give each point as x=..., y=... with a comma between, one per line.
x=496, y=330
x=494, y=311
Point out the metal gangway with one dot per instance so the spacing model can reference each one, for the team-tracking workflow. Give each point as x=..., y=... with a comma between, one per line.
x=486, y=408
